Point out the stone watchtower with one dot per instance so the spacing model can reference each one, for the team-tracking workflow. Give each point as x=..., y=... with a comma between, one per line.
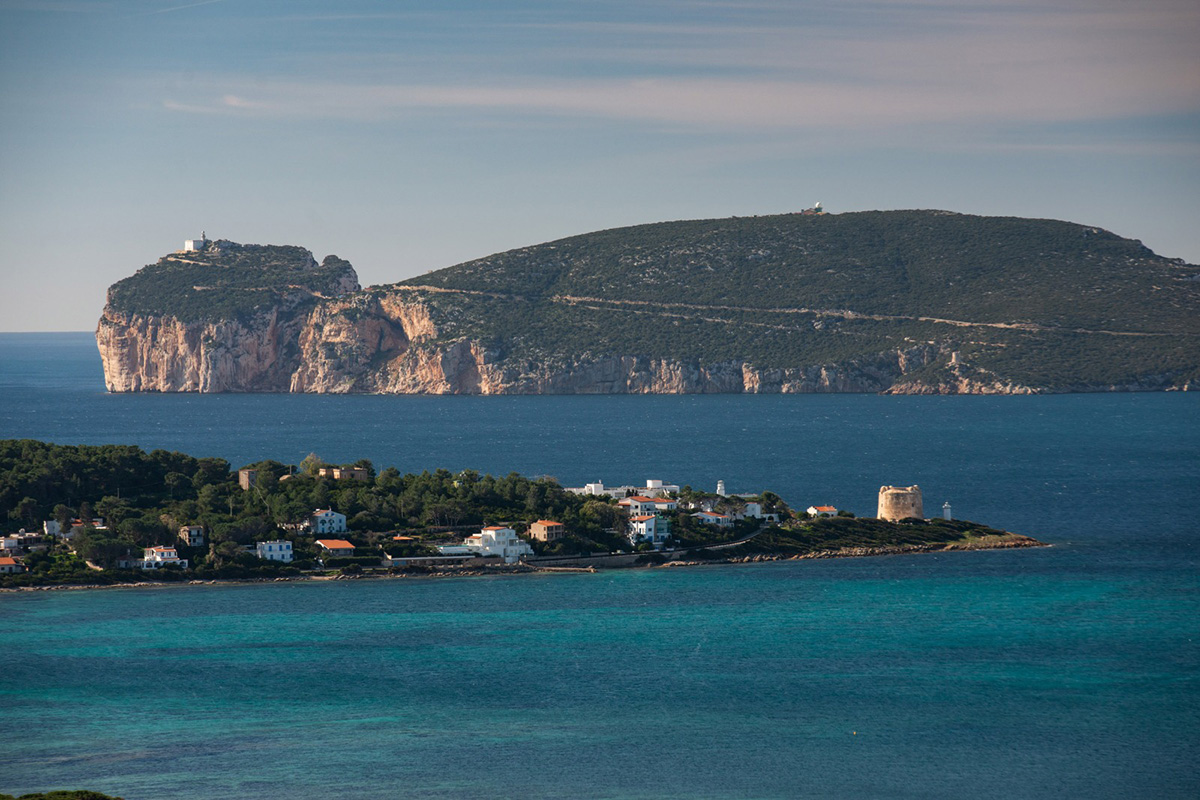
x=900, y=502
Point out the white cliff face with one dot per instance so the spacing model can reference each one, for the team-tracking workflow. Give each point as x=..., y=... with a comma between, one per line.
x=387, y=343
x=162, y=354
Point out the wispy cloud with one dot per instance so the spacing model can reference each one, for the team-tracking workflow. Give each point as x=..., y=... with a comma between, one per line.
x=889, y=64
x=186, y=6
x=730, y=104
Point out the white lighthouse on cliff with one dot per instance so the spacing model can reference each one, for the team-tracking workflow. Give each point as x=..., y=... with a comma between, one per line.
x=196, y=245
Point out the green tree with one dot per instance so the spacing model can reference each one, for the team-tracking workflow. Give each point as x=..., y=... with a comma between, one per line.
x=210, y=471
x=25, y=511
x=311, y=465
x=176, y=481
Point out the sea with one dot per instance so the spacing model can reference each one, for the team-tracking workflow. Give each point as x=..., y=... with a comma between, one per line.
x=1059, y=672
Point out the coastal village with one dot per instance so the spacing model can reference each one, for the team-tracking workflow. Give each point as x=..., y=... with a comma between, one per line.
x=647, y=523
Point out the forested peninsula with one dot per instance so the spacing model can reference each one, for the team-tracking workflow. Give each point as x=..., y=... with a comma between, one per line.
x=882, y=301
x=105, y=515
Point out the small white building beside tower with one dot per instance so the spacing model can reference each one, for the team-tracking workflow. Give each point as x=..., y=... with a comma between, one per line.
x=196, y=245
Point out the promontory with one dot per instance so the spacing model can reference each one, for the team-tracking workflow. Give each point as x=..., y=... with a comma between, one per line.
x=903, y=302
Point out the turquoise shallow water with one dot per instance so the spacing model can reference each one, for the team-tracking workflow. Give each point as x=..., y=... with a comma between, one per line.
x=1070, y=671
x=961, y=674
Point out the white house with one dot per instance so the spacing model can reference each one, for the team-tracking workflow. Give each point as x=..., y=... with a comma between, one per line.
x=11, y=543
x=193, y=245
x=641, y=504
x=598, y=489
x=275, y=551
x=709, y=518
x=158, y=557
x=192, y=535
x=656, y=488
x=497, y=541
x=754, y=510
x=653, y=488
x=649, y=528
x=822, y=511
x=52, y=528
x=326, y=521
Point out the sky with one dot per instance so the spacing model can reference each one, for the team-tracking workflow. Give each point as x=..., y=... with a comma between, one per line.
x=407, y=136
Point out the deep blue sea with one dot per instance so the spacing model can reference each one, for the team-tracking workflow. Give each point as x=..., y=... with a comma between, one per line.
x=1071, y=671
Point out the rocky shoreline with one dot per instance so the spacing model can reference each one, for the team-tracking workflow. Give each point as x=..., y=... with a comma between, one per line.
x=1011, y=541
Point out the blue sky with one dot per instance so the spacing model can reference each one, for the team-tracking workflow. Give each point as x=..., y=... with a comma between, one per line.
x=409, y=136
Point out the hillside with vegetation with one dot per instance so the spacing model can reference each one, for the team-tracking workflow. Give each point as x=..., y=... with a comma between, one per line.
x=883, y=301
x=1037, y=302
x=227, y=280
x=896, y=263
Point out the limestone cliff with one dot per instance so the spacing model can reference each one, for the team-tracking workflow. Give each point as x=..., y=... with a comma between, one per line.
x=895, y=302
x=388, y=343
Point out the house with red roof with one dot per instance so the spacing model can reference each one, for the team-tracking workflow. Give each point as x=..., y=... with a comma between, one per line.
x=11, y=566
x=822, y=511
x=162, y=556
x=649, y=528
x=641, y=504
x=336, y=548
x=547, y=530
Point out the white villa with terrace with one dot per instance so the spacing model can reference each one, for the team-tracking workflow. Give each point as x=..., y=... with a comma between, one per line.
x=653, y=488
x=325, y=520
x=158, y=557
x=649, y=528
x=709, y=518
x=640, y=504
x=275, y=551
x=495, y=540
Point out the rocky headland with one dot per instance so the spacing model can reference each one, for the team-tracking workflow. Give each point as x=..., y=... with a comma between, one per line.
x=894, y=302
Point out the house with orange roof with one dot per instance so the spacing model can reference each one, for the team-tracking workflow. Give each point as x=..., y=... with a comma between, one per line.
x=547, y=530
x=162, y=556
x=712, y=518
x=11, y=566
x=822, y=511
x=642, y=504
x=336, y=548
